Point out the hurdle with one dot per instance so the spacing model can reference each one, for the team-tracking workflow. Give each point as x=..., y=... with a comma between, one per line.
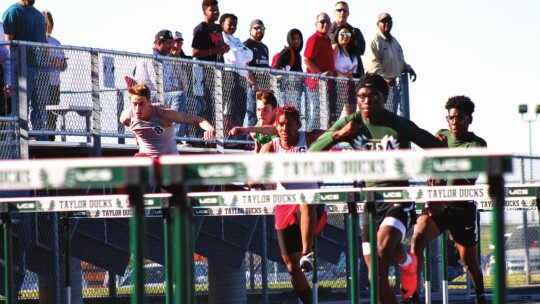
x=180, y=172
x=131, y=174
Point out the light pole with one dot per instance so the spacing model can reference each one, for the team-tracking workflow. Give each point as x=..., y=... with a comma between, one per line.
x=523, y=110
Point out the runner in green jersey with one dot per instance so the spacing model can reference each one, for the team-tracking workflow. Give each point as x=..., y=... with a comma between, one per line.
x=457, y=217
x=264, y=131
x=375, y=129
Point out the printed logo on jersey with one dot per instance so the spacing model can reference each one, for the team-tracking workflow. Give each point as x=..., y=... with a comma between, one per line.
x=388, y=142
x=158, y=130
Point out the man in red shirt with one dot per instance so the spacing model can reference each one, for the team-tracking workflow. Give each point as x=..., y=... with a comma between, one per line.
x=319, y=59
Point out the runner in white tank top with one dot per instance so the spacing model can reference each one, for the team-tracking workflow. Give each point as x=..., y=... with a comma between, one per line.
x=300, y=147
x=153, y=124
x=296, y=225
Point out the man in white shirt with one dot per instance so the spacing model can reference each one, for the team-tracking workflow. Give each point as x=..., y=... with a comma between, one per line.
x=173, y=97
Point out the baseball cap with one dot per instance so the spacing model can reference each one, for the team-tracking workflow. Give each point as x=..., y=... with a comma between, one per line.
x=384, y=16
x=256, y=22
x=374, y=81
x=178, y=35
x=164, y=35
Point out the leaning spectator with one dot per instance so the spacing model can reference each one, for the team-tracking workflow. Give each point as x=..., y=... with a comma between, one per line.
x=22, y=21
x=346, y=65
x=58, y=63
x=145, y=73
x=319, y=59
x=260, y=60
x=290, y=59
x=234, y=92
x=357, y=45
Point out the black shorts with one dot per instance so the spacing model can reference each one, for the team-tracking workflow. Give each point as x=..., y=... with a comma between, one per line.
x=400, y=216
x=460, y=219
x=290, y=238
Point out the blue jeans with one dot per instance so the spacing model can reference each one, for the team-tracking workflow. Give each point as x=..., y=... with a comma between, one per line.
x=38, y=84
x=176, y=100
x=234, y=100
x=251, y=107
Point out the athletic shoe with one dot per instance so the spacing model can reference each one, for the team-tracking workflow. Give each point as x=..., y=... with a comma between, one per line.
x=415, y=299
x=409, y=278
x=306, y=262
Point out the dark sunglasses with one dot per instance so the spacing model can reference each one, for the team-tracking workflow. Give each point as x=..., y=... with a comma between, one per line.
x=387, y=20
x=325, y=21
x=339, y=10
x=262, y=28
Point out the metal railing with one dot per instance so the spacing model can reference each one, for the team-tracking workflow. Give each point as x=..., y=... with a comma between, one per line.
x=76, y=94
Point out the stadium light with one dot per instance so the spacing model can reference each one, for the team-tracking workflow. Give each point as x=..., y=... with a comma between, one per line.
x=523, y=109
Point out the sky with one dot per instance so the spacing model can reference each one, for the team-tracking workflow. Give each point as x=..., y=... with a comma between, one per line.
x=487, y=50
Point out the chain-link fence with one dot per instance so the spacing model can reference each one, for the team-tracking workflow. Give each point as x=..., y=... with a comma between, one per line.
x=76, y=94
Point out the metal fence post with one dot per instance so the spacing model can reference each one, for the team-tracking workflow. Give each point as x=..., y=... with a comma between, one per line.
x=218, y=108
x=352, y=224
x=323, y=103
x=20, y=99
x=8, y=253
x=496, y=186
x=96, y=104
x=404, y=95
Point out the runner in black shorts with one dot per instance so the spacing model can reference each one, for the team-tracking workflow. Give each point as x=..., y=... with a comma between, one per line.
x=373, y=128
x=290, y=238
x=460, y=219
x=457, y=217
x=401, y=217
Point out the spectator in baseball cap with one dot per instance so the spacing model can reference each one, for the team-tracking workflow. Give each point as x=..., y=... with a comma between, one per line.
x=164, y=35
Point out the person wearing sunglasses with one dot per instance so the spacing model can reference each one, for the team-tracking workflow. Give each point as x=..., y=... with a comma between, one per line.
x=319, y=59
x=457, y=217
x=385, y=57
x=346, y=65
x=357, y=45
x=261, y=59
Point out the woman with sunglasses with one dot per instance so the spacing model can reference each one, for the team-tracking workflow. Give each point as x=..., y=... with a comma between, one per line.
x=346, y=65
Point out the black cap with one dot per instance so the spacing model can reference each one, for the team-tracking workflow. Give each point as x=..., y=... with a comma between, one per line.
x=373, y=81
x=164, y=35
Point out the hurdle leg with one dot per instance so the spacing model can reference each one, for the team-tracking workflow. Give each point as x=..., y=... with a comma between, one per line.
x=8, y=254
x=183, y=247
x=496, y=187
x=314, y=278
x=168, y=257
x=444, y=263
x=427, y=277
x=353, y=251
x=373, y=261
x=137, y=231
x=67, y=254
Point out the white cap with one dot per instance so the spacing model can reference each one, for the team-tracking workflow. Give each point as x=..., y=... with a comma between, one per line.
x=178, y=35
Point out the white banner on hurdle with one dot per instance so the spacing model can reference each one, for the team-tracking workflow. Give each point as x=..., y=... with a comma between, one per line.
x=331, y=167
